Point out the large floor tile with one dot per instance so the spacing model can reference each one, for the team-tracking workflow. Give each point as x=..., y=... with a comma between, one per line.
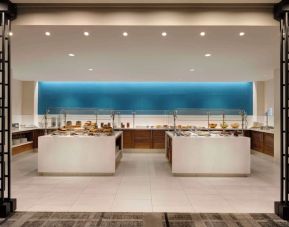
x=133, y=195
x=174, y=208
x=89, y=204
x=144, y=183
x=132, y=205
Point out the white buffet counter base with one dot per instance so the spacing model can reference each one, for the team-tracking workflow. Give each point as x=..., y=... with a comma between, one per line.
x=210, y=156
x=79, y=155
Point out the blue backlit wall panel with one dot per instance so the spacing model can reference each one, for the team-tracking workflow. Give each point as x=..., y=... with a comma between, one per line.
x=145, y=96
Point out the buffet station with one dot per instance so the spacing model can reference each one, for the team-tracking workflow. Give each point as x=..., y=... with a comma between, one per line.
x=202, y=151
x=80, y=150
x=195, y=141
x=206, y=154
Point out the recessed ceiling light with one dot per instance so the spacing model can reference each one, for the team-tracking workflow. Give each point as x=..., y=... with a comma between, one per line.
x=47, y=33
x=10, y=33
x=202, y=33
x=192, y=70
x=90, y=70
x=164, y=34
x=208, y=55
x=125, y=34
x=71, y=55
x=241, y=33
x=86, y=33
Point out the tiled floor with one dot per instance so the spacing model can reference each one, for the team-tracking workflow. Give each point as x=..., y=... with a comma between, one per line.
x=143, y=183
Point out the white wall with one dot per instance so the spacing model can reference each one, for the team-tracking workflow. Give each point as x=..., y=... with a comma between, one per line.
x=24, y=102
x=29, y=102
x=263, y=99
x=269, y=94
x=16, y=101
x=258, y=101
x=257, y=91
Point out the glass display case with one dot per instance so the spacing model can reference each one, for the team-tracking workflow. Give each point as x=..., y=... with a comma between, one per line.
x=80, y=121
x=177, y=120
x=143, y=118
x=209, y=120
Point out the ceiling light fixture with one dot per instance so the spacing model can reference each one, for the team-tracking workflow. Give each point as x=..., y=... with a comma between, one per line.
x=202, y=33
x=192, y=70
x=10, y=33
x=164, y=34
x=90, y=70
x=47, y=33
x=86, y=33
x=241, y=33
x=208, y=55
x=125, y=34
x=71, y=55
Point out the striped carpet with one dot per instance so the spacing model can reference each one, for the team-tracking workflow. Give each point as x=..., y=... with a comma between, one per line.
x=51, y=219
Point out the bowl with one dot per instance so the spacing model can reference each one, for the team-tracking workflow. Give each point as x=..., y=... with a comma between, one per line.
x=235, y=125
x=212, y=125
x=224, y=125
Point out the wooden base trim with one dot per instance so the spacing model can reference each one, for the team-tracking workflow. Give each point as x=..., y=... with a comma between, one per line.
x=210, y=175
x=140, y=150
x=74, y=174
x=22, y=148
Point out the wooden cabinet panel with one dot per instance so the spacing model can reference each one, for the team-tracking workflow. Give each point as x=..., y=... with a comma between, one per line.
x=247, y=133
x=22, y=148
x=127, y=139
x=25, y=146
x=257, y=141
x=159, y=133
x=142, y=134
x=158, y=137
x=268, y=147
x=142, y=139
x=169, y=149
x=262, y=142
x=158, y=145
x=142, y=145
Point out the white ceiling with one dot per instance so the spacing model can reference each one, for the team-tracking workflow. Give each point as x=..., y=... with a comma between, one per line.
x=144, y=55
x=146, y=1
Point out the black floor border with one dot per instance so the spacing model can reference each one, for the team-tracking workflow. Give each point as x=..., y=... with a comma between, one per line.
x=167, y=220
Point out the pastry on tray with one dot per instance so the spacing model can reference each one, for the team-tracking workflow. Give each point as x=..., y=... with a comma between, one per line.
x=224, y=125
x=235, y=125
x=212, y=125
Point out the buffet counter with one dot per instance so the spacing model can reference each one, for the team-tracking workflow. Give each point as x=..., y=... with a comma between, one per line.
x=262, y=140
x=213, y=155
x=147, y=139
x=26, y=139
x=79, y=155
x=143, y=140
